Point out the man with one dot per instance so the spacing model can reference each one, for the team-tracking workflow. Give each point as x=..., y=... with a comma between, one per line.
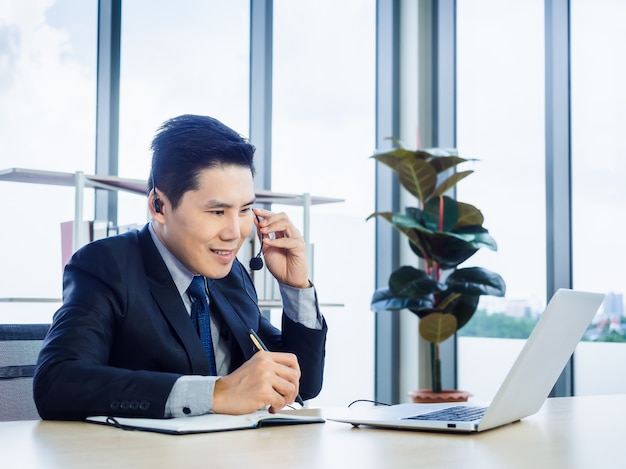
x=127, y=340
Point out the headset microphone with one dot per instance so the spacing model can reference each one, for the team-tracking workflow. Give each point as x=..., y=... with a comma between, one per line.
x=256, y=263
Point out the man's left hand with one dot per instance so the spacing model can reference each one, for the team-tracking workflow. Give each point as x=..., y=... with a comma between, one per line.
x=284, y=249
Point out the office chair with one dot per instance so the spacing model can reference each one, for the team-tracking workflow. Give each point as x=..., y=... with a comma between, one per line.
x=19, y=348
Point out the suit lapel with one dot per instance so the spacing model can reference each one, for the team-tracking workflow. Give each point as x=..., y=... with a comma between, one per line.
x=238, y=323
x=166, y=296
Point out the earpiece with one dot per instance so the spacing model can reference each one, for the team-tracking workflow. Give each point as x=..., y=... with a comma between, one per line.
x=256, y=263
x=156, y=203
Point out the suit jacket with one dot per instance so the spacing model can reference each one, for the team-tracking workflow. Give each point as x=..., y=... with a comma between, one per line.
x=123, y=336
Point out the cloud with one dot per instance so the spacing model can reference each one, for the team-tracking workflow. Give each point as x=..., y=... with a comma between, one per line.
x=47, y=96
x=47, y=121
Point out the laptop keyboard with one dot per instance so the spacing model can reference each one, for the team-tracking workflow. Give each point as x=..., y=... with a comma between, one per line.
x=453, y=414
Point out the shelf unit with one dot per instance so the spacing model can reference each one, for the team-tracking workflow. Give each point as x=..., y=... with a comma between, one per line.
x=81, y=181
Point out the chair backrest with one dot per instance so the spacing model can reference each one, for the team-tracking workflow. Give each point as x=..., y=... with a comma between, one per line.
x=19, y=348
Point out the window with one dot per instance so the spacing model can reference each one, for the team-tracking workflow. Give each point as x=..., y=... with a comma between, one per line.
x=500, y=121
x=598, y=192
x=47, y=122
x=322, y=136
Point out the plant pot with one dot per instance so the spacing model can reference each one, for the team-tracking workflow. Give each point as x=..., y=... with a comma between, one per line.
x=427, y=396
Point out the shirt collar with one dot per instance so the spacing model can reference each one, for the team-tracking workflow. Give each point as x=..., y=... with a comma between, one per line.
x=181, y=275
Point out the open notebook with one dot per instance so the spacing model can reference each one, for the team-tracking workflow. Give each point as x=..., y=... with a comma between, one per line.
x=206, y=423
x=524, y=389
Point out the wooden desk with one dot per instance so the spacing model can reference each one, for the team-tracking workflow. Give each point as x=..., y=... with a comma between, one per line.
x=569, y=433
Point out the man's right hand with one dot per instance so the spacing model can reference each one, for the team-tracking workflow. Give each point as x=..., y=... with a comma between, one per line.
x=267, y=379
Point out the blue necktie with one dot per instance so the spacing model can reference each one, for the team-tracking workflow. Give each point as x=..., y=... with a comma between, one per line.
x=200, y=318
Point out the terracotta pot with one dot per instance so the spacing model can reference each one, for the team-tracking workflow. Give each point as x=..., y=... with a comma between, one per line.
x=427, y=396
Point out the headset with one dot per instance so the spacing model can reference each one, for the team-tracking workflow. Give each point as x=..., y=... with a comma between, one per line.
x=256, y=263
x=156, y=203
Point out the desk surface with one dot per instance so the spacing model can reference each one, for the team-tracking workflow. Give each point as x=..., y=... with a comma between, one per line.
x=579, y=432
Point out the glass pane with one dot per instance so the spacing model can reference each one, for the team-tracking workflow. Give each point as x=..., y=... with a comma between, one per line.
x=47, y=122
x=598, y=192
x=323, y=134
x=500, y=121
x=183, y=57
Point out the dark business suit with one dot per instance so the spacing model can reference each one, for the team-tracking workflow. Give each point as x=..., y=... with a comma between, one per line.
x=123, y=336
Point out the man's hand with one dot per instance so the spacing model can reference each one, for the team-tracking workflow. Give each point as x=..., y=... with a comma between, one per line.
x=284, y=249
x=267, y=379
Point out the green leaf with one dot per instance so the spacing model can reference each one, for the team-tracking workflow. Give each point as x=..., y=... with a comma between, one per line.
x=412, y=219
x=415, y=214
x=476, y=281
x=477, y=237
x=393, y=158
x=403, y=223
x=437, y=327
x=432, y=210
x=410, y=226
x=462, y=306
x=418, y=177
x=450, y=182
x=386, y=215
x=409, y=282
x=384, y=300
x=415, y=174
x=443, y=163
x=468, y=215
x=447, y=249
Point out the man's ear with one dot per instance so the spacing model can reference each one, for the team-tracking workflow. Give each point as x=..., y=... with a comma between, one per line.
x=155, y=204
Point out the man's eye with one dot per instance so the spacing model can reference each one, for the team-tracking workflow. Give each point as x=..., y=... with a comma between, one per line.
x=216, y=212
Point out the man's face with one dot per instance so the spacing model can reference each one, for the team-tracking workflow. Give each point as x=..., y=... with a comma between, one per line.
x=210, y=224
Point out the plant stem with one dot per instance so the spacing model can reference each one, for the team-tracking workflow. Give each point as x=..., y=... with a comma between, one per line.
x=435, y=367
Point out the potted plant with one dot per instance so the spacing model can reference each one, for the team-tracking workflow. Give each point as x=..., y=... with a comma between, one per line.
x=443, y=233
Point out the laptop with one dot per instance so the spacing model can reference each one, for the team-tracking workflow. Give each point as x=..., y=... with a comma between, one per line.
x=524, y=389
